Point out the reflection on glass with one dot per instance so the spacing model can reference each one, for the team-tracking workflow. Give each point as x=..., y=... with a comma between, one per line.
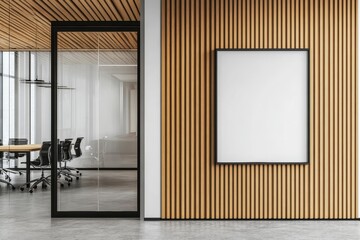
x=97, y=101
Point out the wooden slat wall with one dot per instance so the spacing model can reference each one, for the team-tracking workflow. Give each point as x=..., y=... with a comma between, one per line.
x=193, y=186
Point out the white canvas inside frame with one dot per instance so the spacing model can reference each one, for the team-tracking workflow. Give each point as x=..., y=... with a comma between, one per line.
x=262, y=106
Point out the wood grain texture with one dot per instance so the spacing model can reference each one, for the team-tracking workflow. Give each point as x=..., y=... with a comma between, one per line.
x=20, y=148
x=193, y=186
x=25, y=24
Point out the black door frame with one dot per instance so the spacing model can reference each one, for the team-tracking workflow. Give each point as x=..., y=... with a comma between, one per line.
x=88, y=26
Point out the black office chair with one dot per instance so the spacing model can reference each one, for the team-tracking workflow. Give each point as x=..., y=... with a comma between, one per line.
x=77, y=147
x=61, y=171
x=3, y=171
x=15, y=155
x=66, y=171
x=78, y=153
x=42, y=161
x=67, y=146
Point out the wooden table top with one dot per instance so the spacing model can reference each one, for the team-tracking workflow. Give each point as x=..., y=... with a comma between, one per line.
x=20, y=148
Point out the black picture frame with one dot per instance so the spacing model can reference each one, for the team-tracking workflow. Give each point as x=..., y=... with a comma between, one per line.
x=216, y=51
x=89, y=26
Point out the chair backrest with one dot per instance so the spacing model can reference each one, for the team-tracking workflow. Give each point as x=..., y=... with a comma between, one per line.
x=44, y=154
x=77, y=147
x=60, y=152
x=17, y=141
x=67, y=149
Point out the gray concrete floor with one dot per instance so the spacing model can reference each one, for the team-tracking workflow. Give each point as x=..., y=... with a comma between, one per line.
x=100, y=191
x=105, y=190
x=27, y=216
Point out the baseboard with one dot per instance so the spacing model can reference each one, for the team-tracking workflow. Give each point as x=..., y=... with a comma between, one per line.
x=152, y=219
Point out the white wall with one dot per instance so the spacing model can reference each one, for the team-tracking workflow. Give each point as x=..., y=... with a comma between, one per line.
x=151, y=81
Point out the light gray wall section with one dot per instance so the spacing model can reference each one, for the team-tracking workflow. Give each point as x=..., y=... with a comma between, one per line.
x=151, y=82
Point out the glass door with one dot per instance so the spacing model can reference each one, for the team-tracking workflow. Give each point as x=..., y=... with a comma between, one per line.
x=95, y=124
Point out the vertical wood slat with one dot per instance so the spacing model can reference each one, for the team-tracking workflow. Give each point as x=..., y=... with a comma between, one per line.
x=187, y=79
x=183, y=115
x=177, y=105
x=340, y=83
x=211, y=103
x=208, y=114
x=164, y=158
x=355, y=213
x=336, y=110
x=193, y=186
x=353, y=112
x=332, y=107
x=172, y=114
x=202, y=113
x=191, y=96
x=345, y=154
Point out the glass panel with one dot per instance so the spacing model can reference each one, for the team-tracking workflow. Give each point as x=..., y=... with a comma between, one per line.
x=97, y=101
x=118, y=122
x=8, y=114
x=78, y=111
x=22, y=118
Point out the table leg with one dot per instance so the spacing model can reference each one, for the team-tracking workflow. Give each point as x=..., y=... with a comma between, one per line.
x=28, y=168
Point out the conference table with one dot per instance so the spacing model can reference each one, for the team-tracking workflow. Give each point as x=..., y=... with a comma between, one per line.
x=26, y=149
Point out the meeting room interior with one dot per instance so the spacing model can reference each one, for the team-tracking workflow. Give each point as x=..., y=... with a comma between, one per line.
x=96, y=113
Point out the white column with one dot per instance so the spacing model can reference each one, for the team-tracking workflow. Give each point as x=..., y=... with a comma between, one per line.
x=151, y=102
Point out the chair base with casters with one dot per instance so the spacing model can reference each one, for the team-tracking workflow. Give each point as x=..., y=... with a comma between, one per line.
x=69, y=169
x=7, y=178
x=42, y=161
x=7, y=183
x=7, y=172
x=44, y=180
x=68, y=176
x=62, y=182
x=35, y=182
x=66, y=171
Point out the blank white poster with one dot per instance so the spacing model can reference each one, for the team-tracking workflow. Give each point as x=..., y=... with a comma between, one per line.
x=262, y=106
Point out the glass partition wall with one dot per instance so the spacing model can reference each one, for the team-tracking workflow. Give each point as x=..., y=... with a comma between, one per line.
x=97, y=124
x=97, y=100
